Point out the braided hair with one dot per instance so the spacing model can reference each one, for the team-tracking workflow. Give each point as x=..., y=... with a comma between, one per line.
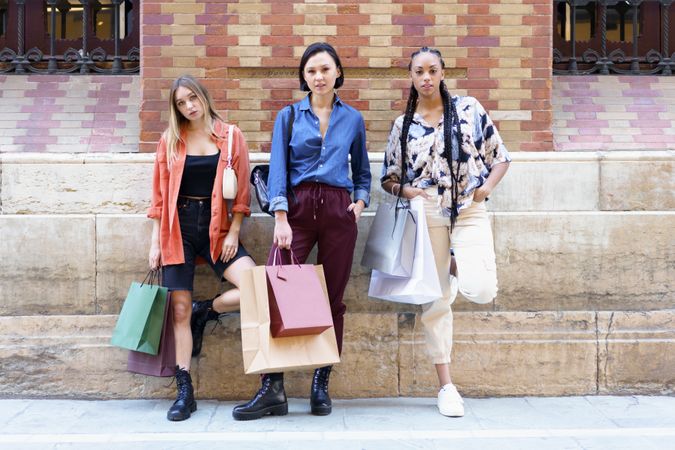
x=450, y=117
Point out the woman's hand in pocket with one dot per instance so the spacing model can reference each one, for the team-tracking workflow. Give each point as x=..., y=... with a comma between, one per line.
x=480, y=194
x=357, y=208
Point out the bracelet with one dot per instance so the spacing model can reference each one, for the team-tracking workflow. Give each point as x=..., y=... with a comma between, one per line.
x=392, y=189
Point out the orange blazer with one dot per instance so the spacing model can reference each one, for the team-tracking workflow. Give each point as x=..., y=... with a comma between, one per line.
x=166, y=184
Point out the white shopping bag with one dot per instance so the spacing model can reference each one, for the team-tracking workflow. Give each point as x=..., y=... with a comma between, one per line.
x=423, y=285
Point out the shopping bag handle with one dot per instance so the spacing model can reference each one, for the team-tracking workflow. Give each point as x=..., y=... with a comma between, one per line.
x=277, y=252
x=154, y=276
x=404, y=205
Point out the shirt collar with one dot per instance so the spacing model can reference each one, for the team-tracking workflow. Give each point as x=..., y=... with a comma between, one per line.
x=305, y=104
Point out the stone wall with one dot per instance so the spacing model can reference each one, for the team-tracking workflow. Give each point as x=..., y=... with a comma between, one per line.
x=248, y=53
x=585, y=261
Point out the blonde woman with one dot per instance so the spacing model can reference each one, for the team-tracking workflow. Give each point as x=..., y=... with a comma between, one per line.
x=192, y=221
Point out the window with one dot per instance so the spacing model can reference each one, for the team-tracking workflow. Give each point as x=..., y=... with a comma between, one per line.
x=619, y=21
x=68, y=19
x=3, y=17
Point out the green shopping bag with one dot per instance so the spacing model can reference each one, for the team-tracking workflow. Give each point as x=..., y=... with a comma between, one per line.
x=139, y=325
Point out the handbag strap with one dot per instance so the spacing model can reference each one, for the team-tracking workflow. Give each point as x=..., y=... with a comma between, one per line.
x=230, y=137
x=289, y=187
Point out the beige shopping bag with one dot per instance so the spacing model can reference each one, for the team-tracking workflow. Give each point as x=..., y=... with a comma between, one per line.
x=263, y=353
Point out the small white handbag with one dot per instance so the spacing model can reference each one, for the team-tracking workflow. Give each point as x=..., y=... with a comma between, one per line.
x=229, y=175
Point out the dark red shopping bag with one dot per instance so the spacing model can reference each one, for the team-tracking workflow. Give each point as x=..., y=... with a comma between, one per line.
x=164, y=363
x=298, y=304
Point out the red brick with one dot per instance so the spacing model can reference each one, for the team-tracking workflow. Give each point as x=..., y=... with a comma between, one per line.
x=413, y=20
x=155, y=19
x=410, y=9
x=281, y=40
x=478, y=41
x=282, y=30
x=348, y=9
x=348, y=19
x=282, y=19
x=477, y=19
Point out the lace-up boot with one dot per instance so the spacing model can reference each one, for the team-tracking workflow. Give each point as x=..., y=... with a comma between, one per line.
x=319, y=399
x=270, y=399
x=185, y=403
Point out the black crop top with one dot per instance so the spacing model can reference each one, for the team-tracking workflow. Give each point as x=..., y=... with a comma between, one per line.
x=199, y=174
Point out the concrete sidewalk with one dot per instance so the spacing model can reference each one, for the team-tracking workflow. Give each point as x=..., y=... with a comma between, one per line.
x=592, y=422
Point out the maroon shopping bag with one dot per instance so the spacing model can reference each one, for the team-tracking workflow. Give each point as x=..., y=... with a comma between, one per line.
x=298, y=304
x=164, y=363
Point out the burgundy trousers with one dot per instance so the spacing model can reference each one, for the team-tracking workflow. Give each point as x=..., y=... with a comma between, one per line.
x=319, y=216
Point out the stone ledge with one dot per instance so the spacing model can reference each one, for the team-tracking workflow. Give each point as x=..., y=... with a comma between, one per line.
x=495, y=354
x=37, y=183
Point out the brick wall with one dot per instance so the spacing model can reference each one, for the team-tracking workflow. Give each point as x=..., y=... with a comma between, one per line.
x=496, y=50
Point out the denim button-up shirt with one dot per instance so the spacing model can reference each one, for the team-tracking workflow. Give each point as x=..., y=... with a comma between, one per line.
x=314, y=159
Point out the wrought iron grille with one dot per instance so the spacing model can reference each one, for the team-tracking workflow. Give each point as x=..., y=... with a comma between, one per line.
x=613, y=36
x=69, y=36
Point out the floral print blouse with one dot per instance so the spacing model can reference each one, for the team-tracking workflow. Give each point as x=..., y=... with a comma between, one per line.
x=482, y=149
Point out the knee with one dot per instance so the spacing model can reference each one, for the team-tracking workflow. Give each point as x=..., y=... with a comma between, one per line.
x=479, y=291
x=181, y=312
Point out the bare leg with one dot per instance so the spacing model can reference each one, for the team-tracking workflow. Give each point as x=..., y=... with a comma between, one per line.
x=181, y=303
x=228, y=301
x=443, y=372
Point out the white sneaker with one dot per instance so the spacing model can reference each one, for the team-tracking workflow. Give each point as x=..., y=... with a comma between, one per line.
x=450, y=403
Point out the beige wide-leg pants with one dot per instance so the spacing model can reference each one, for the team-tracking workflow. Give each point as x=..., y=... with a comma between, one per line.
x=476, y=279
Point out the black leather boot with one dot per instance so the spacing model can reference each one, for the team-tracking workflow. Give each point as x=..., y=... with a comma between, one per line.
x=185, y=403
x=202, y=312
x=319, y=399
x=270, y=399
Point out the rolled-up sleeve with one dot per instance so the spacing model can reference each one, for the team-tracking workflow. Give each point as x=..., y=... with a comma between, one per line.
x=360, y=165
x=276, y=183
x=155, y=209
x=242, y=202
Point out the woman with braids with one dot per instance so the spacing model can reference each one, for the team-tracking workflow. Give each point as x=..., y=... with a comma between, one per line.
x=447, y=150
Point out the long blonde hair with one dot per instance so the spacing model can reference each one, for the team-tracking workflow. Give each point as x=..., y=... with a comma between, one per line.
x=177, y=121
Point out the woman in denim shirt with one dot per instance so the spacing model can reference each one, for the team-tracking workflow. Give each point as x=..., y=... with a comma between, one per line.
x=326, y=132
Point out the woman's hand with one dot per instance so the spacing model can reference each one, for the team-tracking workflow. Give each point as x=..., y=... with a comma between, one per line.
x=410, y=192
x=283, y=234
x=357, y=208
x=230, y=245
x=154, y=257
x=481, y=193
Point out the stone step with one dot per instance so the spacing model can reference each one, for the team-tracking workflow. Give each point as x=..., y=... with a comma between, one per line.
x=587, y=261
x=495, y=354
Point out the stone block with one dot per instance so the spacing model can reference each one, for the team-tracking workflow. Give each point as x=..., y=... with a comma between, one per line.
x=82, y=186
x=47, y=264
x=515, y=353
x=122, y=246
x=69, y=356
x=547, y=186
x=585, y=261
x=636, y=352
x=639, y=183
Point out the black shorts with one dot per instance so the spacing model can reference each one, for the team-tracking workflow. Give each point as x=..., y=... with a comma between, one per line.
x=194, y=217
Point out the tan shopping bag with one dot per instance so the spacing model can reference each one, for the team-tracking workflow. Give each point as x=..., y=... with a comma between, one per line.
x=263, y=353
